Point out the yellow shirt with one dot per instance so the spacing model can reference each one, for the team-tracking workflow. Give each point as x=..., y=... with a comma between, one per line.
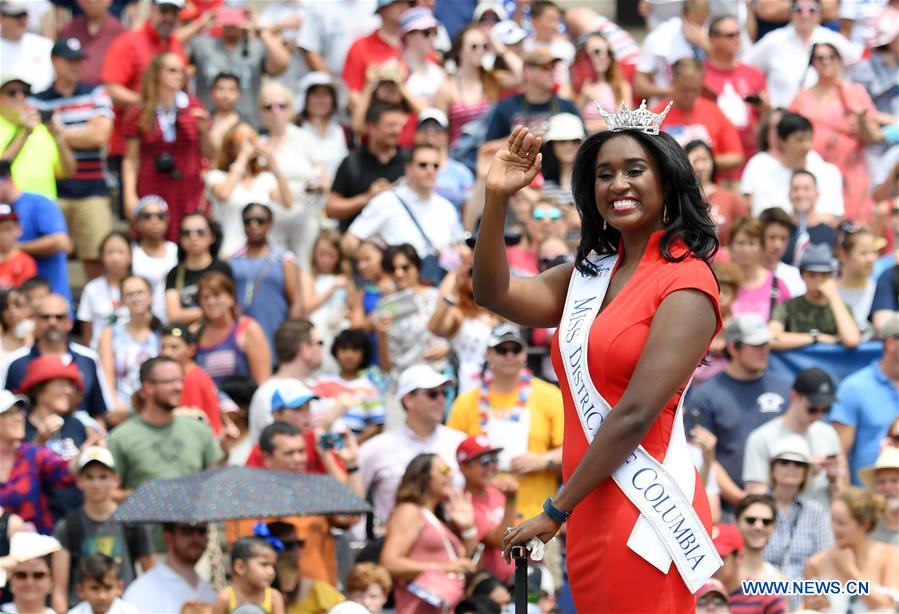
x=321, y=598
x=546, y=432
x=34, y=169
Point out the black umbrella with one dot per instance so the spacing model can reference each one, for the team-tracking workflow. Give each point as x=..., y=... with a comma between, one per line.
x=230, y=493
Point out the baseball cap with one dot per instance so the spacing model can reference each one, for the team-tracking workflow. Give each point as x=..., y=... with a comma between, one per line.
x=420, y=377
x=13, y=8
x=792, y=448
x=816, y=385
x=418, y=18
x=509, y=32
x=712, y=586
x=96, y=454
x=749, y=329
x=727, y=539
x=7, y=212
x=435, y=115
x=178, y=3
x=565, y=127
x=49, y=367
x=8, y=400
x=382, y=3
x=505, y=332
x=9, y=77
x=291, y=394
x=539, y=56
x=473, y=447
x=817, y=258
x=489, y=5
x=69, y=48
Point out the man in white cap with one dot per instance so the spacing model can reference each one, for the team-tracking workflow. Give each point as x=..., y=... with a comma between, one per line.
x=383, y=459
x=27, y=53
x=883, y=478
x=454, y=180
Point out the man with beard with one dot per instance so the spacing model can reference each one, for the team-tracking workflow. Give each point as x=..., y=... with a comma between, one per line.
x=169, y=585
x=155, y=443
x=52, y=323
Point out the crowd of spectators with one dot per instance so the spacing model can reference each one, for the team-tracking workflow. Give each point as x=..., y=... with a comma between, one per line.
x=241, y=232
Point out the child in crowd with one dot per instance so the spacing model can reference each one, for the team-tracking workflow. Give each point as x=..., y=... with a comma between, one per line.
x=101, y=300
x=253, y=571
x=238, y=391
x=225, y=95
x=368, y=584
x=15, y=265
x=100, y=587
x=36, y=290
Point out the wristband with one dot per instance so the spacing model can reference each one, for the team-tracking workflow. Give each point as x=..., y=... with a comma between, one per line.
x=469, y=533
x=553, y=512
x=352, y=469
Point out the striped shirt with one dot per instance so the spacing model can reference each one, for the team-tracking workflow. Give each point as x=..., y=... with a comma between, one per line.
x=75, y=111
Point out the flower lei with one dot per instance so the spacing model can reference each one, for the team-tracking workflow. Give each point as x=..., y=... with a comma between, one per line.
x=513, y=414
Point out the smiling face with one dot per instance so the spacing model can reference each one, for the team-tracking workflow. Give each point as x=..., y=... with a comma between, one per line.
x=628, y=185
x=745, y=250
x=757, y=525
x=137, y=295
x=598, y=50
x=30, y=582
x=846, y=529
x=368, y=261
x=474, y=46
x=56, y=396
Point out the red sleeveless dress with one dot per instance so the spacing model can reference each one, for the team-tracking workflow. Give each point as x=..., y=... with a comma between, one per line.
x=605, y=575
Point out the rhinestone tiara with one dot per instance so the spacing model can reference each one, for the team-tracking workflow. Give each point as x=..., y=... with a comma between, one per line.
x=641, y=119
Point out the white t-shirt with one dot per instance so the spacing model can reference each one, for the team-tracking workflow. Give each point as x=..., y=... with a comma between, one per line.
x=30, y=57
x=784, y=59
x=154, y=270
x=228, y=213
x=864, y=14
x=767, y=181
x=118, y=607
x=662, y=47
x=162, y=589
x=384, y=217
x=101, y=305
x=791, y=276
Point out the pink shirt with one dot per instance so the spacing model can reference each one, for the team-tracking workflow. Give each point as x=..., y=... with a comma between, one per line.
x=758, y=300
x=488, y=514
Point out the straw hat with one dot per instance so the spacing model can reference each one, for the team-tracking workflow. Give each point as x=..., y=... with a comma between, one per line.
x=888, y=459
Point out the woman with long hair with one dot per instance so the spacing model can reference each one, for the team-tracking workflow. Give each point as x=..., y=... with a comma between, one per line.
x=167, y=136
x=246, y=172
x=755, y=295
x=597, y=80
x=466, y=95
x=845, y=122
x=636, y=312
x=564, y=134
x=430, y=533
x=726, y=205
x=101, y=300
x=152, y=257
x=418, y=33
x=857, y=250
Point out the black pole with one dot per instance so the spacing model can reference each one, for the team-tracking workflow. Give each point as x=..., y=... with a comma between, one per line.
x=521, y=579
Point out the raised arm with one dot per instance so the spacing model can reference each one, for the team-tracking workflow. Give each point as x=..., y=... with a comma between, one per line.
x=530, y=301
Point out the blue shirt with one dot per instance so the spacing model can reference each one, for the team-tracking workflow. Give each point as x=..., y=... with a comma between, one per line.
x=733, y=408
x=454, y=183
x=885, y=293
x=869, y=401
x=39, y=216
x=515, y=110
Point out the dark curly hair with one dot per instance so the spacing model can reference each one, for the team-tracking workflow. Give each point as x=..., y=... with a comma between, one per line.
x=688, y=213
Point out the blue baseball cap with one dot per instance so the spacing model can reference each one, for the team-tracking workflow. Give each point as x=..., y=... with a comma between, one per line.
x=291, y=394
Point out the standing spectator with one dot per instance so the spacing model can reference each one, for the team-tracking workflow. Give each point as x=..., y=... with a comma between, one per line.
x=86, y=113
x=382, y=459
x=36, y=149
x=868, y=402
x=266, y=276
x=95, y=28
x=857, y=254
x=179, y=344
x=44, y=235
x=330, y=28
x=725, y=205
x=564, y=134
x=755, y=516
x=418, y=31
x=693, y=117
x=783, y=53
x=370, y=169
x=759, y=290
x=845, y=121
x=597, y=80
x=244, y=50
x=812, y=396
x=376, y=283
x=877, y=73
x=882, y=478
x=225, y=94
x=246, y=172
x=29, y=53
x=15, y=265
x=156, y=443
x=152, y=257
x=739, y=399
x=454, y=180
x=51, y=336
x=167, y=134
x=101, y=299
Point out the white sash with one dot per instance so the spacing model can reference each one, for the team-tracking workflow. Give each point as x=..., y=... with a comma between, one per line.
x=668, y=527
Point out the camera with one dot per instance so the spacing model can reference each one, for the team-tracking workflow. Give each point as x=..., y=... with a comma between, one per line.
x=330, y=441
x=165, y=163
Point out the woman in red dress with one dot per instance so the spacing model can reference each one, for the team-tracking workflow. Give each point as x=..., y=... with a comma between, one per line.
x=640, y=204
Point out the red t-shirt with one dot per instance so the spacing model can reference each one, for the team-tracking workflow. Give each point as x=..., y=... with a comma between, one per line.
x=94, y=46
x=367, y=51
x=727, y=206
x=16, y=269
x=199, y=391
x=489, y=509
x=728, y=88
x=313, y=462
x=705, y=122
x=126, y=61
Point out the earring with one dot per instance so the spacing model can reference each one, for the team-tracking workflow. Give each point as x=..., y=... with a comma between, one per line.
x=665, y=216
x=604, y=225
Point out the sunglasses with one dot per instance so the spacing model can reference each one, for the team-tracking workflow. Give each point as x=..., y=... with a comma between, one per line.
x=488, y=459
x=445, y=470
x=46, y=317
x=478, y=47
x=187, y=232
x=505, y=350
x=149, y=215
x=547, y=214
x=275, y=105
x=34, y=575
x=434, y=394
x=814, y=411
x=712, y=600
x=261, y=221
x=433, y=165
x=753, y=520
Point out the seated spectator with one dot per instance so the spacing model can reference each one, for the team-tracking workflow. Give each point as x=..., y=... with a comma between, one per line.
x=755, y=516
x=882, y=478
x=100, y=587
x=802, y=525
x=819, y=315
x=808, y=225
x=101, y=301
x=30, y=582
x=454, y=180
x=246, y=172
x=564, y=134
x=15, y=265
x=487, y=586
x=367, y=264
x=266, y=276
x=223, y=116
x=857, y=253
x=423, y=537
x=368, y=584
x=125, y=344
x=693, y=117
x=760, y=291
x=855, y=514
x=196, y=257
x=325, y=287
x=767, y=175
x=596, y=79
x=301, y=594
x=712, y=598
x=812, y=396
x=237, y=394
x=726, y=205
x=866, y=407
x=728, y=277
x=172, y=583
x=179, y=344
x=777, y=231
x=885, y=303
x=87, y=532
x=15, y=323
x=731, y=548
x=253, y=565
x=547, y=19
x=152, y=257
x=227, y=343
x=167, y=135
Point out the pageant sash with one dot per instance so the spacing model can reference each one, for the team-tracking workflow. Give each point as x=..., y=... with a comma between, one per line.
x=668, y=528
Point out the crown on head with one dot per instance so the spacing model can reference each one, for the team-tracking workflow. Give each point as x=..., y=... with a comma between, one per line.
x=641, y=119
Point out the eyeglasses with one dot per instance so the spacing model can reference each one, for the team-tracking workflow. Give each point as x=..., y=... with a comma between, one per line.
x=187, y=232
x=434, y=393
x=433, y=165
x=46, y=317
x=149, y=215
x=261, y=221
x=753, y=520
x=730, y=35
x=478, y=47
x=192, y=530
x=504, y=350
x=12, y=92
x=34, y=575
x=598, y=52
x=275, y=105
x=488, y=459
x=824, y=58
x=547, y=214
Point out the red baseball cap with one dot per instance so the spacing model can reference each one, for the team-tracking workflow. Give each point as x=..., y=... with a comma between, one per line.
x=474, y=446
x=231, y=16
x=51, y=366
x=727, y=539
